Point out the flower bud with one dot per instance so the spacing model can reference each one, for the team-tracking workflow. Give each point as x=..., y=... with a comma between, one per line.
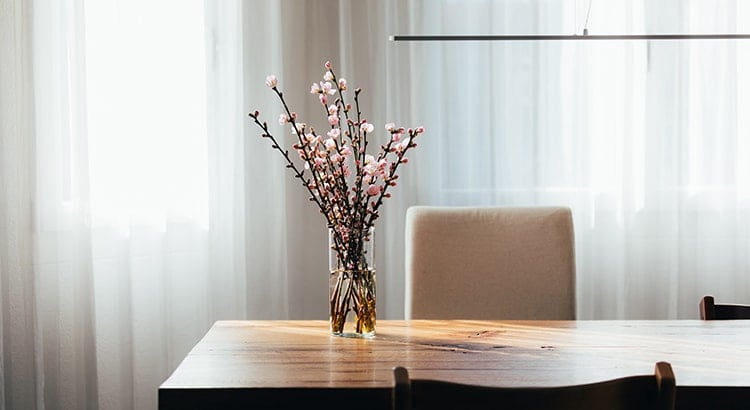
x=366, y=127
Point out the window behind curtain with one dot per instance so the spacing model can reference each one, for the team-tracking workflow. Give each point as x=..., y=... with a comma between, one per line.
x=145, y=63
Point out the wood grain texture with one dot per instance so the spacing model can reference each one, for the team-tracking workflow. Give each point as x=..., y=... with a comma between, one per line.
x=299, y=359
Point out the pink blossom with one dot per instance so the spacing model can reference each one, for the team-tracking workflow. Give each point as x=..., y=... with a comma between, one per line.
x=315, y=89
x=313, y=141
x=390, y=127
x=328, y=65
x=366, y=127
x=271, y=81
x=334, y=133
x=333, y=109
x=382, y=166
x=419, y=130
x=373, y=190
x=328, y=76
x=330, y=144
x=333, y=119
x=342, y=84
x=327, y=88
x=345, y=151
x=396, y=136
x=283, y=119
x=370, y=168
x=323, y=99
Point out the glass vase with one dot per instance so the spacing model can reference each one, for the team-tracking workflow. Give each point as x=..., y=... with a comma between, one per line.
x=351, y=287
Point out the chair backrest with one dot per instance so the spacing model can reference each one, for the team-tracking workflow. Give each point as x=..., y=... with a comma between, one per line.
x=712, y=311
x=490, y=263
x=655, y=391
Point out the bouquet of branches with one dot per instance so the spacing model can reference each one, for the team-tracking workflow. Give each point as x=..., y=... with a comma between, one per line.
x=347, y=184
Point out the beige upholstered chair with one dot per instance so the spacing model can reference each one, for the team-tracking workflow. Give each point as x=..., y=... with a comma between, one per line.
x=656, y=391
x=490, y=263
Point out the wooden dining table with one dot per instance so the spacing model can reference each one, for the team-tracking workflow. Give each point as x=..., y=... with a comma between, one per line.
x=293, y=364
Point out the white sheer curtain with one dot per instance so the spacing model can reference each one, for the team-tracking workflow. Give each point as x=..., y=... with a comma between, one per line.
x=138, y=204
x=47, y=300
x=166, y=183
x=643, y=140
x=122, y=181
x=16, y=193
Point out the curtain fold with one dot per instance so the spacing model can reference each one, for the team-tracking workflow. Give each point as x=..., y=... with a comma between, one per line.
x=138, y=203
x=18, y=383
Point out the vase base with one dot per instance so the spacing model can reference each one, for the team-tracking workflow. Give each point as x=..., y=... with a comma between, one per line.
x=354, y=335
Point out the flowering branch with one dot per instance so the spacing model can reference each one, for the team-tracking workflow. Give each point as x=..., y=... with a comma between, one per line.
x=350, y=207
x=346, y=183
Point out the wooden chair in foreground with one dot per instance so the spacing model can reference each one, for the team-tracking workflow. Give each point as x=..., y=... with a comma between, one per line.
x=490, y=263
x=655, y=391
x=712, y=311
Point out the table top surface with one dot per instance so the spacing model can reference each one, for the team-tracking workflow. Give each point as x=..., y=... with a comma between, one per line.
x=302, y=354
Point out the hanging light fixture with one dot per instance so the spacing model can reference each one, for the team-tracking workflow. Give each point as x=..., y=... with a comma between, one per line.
x=575, y=37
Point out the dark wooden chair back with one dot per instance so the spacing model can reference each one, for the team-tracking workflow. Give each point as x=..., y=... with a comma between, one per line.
x=655, y=391
x=711, y=311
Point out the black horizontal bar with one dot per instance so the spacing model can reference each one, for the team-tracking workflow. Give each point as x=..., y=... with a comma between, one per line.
x=536, y=37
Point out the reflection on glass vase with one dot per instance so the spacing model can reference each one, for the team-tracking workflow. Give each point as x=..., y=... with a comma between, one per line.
x=352, y=284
